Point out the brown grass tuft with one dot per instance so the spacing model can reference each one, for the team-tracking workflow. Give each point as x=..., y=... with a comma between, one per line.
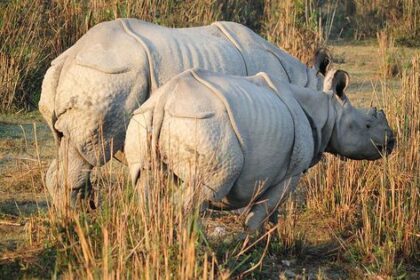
x=284, y=26
x=377, y=202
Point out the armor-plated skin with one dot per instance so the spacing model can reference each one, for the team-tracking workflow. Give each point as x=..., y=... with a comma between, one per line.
x=244, y=139
x=91, y=90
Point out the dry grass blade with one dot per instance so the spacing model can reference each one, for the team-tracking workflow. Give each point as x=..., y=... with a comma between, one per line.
x=370, y=209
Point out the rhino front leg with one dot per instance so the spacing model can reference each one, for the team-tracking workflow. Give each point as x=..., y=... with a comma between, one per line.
x=274, y=217
x=267, y=205
x=68, y=177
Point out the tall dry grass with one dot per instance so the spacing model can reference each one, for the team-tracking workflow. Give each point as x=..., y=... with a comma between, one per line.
x=134, y=234
x=373, y=206
x=401, y=16
x=33, y=32
x=297, y=30
x=21, y=54
x=376, y=204
x=131, y=236
x=390, y=61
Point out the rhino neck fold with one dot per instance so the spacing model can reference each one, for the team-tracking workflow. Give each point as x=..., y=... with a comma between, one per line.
x=321, y=116
x=327, y=130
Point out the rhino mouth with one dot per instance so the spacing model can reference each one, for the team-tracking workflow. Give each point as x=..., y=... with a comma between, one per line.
x=390, y=145
x=387, y=148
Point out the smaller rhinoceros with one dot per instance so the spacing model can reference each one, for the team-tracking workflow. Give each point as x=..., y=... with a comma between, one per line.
x=249, y=139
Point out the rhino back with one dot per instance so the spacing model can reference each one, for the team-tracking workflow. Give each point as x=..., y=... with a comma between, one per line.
x=173, y=50
x=262, y=56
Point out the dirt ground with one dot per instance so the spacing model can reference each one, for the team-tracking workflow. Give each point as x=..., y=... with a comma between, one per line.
x=27, y=146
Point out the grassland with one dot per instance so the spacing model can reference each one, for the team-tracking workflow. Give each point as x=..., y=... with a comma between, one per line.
x=328, y=229
x=348, y=220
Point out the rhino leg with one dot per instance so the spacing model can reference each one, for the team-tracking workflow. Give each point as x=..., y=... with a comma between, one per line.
x=143, y=185
x=274, y=217
x=267, y=204
x=203, y=153
x=68, y=177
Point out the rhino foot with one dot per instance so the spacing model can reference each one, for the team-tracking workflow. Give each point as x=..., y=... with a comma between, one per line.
x=255, y=219
x=274, y=217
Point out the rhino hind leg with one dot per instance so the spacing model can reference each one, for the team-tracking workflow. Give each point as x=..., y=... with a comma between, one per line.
x=266, y=206
x=68, y=178
x=204, y=154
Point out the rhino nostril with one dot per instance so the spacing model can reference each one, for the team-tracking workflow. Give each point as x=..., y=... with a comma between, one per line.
x=391, y=141
x=387, y=148
x=390, y=145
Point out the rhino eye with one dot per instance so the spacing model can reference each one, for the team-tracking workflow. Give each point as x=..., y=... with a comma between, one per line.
x=368, y=126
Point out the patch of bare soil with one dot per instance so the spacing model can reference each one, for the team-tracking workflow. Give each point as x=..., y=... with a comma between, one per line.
x=25, y=149
x=313, y=256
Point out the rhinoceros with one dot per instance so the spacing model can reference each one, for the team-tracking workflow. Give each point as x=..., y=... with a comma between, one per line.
x=248, y=139
x=90, y=91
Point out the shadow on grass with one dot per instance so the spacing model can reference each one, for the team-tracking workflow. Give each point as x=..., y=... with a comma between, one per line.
x=300, y=258
x=312, y=262
x=22, y=207
x=19, y=257
x=28, y=264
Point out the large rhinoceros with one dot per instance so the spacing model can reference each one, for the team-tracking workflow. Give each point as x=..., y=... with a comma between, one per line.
x=227, y=133
x=90, y=90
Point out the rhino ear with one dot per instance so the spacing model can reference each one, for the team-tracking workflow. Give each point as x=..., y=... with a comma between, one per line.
x=322, y=60
x=340, y=82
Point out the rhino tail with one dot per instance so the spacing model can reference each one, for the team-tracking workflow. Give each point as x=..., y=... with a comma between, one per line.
x=48, y=93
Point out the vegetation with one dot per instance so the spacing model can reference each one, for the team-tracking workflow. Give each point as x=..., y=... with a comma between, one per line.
x=348, y=219
x=33, y=32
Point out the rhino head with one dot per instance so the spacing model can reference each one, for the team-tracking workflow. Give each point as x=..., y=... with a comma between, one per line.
x=357, y=134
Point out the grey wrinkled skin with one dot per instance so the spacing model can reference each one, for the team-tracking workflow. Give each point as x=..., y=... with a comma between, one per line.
x=90, y=90
x=248, y=139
